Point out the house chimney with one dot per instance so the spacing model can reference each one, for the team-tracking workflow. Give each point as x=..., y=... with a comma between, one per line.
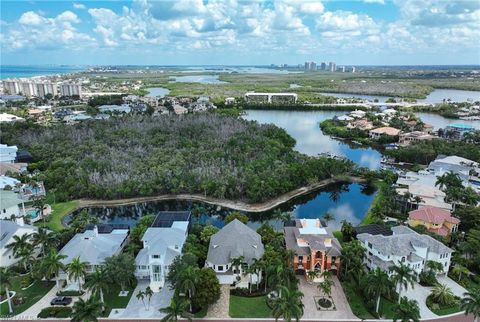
x=328, y=242
x=317, y=223
x=304, y=223
x=95, y=231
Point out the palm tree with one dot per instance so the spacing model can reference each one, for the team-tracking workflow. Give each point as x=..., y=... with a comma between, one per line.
x=280, y=275
x=417, y=200
x=148, y=293
x=442, y=294
x=289, y=305
x=402, y=277
x=19, y=245
x=52, y=265
x=471, y=303
x=76, y=270
x=188, y=280
x=328, y=217
x=448, y=180
x=326, y=286
x=378, y=284
x=406, y=311
x=460, y=271
x=312, y=275
x=6, y=278
x=141, y=296
x=237, y=262
x=86, y=311
x=43, y=239
x=178, y=307
x=98, y=283
x=26, y=256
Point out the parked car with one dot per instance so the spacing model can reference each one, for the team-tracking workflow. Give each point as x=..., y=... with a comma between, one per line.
x=61, y=300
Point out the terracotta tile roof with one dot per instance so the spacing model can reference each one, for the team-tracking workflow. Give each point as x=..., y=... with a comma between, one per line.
x=386, y=131
x=433, y=215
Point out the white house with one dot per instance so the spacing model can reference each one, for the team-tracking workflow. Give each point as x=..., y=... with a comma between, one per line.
x=8, y=229
x=162, y=242
x=8, y=182
x=11, y=205
x=8, y=154
x=404, y=246
x=233, y=241
x=94, y=245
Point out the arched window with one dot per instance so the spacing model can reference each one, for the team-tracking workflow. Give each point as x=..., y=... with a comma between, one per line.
x=318, y=254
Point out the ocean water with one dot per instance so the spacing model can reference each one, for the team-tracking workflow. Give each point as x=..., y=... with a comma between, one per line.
x=17, y=71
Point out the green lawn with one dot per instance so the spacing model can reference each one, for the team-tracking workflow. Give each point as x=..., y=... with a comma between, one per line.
x=386, y=308
x=59, y=210
x=31, y=295
x=447, y=310
x=355, y=300
x=249, y=307
x=368, y=219
x=113, y=301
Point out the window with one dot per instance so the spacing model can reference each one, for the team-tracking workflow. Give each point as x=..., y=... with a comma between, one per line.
x=220, y=267
x=403, y=259
x=155, y=256
x=318, y=254
x=300, y=258
x=370, y=245
x=334, y=259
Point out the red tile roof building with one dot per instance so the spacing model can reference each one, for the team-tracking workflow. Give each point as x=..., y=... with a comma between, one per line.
x=436, y=220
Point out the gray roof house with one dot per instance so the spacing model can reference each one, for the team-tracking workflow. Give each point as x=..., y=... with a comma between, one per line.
x=8, y=229
x=162, y=242
x=404, y=246
x=94, y=247
x=233, y=241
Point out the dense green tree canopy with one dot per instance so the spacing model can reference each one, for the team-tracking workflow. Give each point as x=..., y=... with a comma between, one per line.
x=211, y=154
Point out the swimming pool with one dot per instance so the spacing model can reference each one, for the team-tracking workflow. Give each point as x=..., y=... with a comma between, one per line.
x=33, y=213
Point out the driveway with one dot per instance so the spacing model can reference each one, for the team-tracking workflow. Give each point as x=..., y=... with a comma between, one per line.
x=457, y=289
x=419, y=293
x=137, y=309
x=309, y=291
x=221, y=308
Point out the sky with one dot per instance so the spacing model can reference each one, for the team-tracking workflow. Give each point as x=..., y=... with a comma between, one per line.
x=233, y=32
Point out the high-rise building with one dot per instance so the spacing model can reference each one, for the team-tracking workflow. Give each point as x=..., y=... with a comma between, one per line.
x=307, y=65
x=11, y=86
x=68, y=89
x=45, y=88
x=28, y=88
x=343, y=69
x=310, y=65
x=353, y=69
x=323, y=65
x=332, y=66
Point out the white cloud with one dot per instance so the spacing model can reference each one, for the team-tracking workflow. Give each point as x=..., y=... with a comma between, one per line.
x=375, y=1
x=31, y=18
x=79, y=6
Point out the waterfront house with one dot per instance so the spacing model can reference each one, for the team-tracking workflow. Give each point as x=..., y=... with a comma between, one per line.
x=94, y=245
x=360, y=124
x=162, y=242
x=436, y=220
x=11, y=205
x=465, y=168
x=235, y=240
x=458, y=130
x=9, y=229
x=383, y=131
x=6, y=167
x=415, y=136
x=315, y=247
x=429, y=195
x=10, y=118
x=8, y=182
x=404, y=246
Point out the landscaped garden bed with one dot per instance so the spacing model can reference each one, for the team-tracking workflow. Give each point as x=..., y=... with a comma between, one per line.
x=55, y=312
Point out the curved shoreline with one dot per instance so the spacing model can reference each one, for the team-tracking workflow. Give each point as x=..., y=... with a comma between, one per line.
x=235, y=205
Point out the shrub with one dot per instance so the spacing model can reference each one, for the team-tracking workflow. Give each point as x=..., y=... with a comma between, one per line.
x=427, y=279
x=55, y=312
x=70, y=293
x=245, y=292
x=26, y=281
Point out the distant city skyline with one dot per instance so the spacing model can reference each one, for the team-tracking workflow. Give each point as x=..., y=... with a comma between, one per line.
x=196, y=32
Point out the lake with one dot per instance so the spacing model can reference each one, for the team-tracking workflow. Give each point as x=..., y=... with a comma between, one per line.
x=203, y=79
x=303, y=126
x=439, y=121
x=157, y=91
x=436, y=96
x=348, y=201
